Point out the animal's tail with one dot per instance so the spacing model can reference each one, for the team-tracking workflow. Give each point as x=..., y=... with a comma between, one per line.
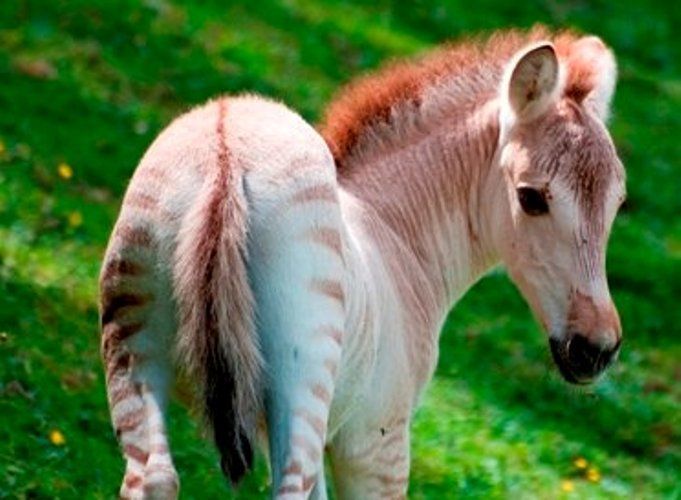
x=217, y=341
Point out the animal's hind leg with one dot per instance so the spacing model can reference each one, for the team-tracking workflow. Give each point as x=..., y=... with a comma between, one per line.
x=319, y=490
x=137, y=328
x=297, y=272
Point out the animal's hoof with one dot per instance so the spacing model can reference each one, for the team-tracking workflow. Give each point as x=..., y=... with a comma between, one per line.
x=160, y=482
x=132, y=487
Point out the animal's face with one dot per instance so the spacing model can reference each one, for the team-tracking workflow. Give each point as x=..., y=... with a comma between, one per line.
x=564, y=184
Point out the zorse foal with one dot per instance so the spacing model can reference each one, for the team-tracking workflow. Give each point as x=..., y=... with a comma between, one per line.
x=303, y=280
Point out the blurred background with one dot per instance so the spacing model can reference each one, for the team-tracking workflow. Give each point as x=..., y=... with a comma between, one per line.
x=85, y=86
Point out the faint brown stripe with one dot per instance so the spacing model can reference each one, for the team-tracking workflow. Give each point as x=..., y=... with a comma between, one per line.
x=291, y=488
x=299, y=166
x=158, y=174
x=399, y=422
x=115, y=360
x=320, y=392
x=315, y=422
x=117, y=332
x=395, y=438
x=128, y=391
x=114, y=367
x=131, y=420
x=327, y=237
x=310, y=449
x=141, y=200
x=331, y=288
x=318, y=192
x=149, y=203
x=136, y=236
x=110, y=348
x=133, y=481
x=294, y=468
x=120, y=267
x=393, y=491
x=332, y=367
x=308, y=482
x=111, y=305
x=387, y=479
x=392, y=460
x=333, y=333
x=136, y=453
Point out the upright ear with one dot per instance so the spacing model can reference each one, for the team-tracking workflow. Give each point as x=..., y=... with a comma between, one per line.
x=592, y=74
x=531, y=82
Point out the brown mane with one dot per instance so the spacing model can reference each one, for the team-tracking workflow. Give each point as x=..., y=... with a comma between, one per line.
x=370, y=99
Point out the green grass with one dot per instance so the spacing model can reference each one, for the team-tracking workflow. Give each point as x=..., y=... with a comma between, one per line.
x=90, y=83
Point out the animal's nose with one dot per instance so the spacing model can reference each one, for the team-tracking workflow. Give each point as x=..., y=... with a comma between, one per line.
x=580, y=359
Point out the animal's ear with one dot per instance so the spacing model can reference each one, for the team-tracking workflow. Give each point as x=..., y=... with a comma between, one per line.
x=531, y=82
x=592, y=74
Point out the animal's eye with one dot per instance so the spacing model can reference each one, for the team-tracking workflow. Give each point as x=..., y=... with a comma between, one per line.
x=532, y=201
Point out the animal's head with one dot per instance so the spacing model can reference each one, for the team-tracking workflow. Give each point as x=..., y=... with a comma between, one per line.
x=565, y=184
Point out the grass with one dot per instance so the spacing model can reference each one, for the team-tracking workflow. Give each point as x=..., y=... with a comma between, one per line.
x=88, y=84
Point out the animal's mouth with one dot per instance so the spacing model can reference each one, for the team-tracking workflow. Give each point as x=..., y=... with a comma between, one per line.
x=580, y=361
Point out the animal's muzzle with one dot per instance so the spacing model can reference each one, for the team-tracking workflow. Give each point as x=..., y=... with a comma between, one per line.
x=580, y=360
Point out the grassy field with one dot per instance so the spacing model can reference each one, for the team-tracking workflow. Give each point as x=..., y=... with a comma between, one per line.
x=85, y=85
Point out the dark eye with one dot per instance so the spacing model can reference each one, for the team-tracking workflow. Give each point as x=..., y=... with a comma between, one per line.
x=532, y=201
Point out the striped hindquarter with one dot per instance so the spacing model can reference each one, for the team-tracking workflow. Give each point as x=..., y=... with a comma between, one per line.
x=297, y=269
x=137, y=309
x=137, y=328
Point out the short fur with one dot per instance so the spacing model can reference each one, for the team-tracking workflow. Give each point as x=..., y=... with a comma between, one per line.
x=370, y=100
x=239, y=213
x=216, y=340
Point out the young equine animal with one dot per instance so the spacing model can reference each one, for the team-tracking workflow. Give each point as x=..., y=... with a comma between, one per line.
x=307, y=278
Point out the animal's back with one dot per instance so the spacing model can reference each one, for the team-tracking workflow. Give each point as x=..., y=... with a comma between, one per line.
x=256, y=132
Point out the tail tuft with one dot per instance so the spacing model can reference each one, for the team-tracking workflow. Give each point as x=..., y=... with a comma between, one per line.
x=232, y=441
x=217, y=342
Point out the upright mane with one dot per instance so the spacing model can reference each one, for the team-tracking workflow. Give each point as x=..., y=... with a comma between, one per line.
x=474, y=63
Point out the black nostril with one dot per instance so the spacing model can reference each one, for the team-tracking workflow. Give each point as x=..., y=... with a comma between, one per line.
x=582, y=354
x=588, y=358
x=580, y=360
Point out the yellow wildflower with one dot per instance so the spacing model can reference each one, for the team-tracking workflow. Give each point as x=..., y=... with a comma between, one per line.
x=65, y=171
x=581, y=463
x=3, y=148
x=75, y=219
x=593, y=475
x=567, y=486
x=57, y=438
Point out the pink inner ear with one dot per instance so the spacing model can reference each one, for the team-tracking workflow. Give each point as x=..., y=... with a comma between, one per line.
x=585, y=59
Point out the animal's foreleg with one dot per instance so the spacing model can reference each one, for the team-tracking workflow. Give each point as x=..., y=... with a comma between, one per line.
x=371, y=461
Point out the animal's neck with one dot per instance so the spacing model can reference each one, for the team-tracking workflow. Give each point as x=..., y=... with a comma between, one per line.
x=432, y=200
